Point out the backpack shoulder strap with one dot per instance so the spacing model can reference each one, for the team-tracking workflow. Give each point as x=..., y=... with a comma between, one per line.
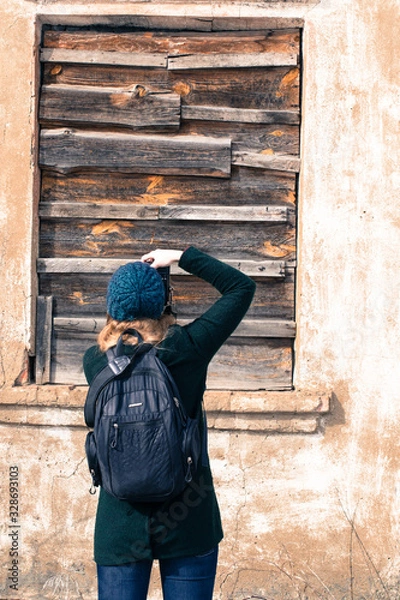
x=117, y=364
x=100, y=380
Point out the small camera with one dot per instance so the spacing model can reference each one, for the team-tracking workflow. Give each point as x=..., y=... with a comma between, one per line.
x=164, y=272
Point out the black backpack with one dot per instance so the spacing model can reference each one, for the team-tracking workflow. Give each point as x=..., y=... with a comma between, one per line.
x=143, y=447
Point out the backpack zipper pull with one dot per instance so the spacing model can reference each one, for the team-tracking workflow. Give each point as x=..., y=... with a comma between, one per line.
x=115, y=439
x=188, y=476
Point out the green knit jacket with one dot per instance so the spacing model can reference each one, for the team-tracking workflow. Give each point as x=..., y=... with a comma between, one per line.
x=190, y=524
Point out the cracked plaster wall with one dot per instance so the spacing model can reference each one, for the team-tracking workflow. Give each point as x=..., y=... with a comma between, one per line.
x=307, y=515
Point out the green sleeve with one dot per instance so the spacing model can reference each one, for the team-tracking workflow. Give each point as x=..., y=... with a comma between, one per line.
x=210, y=331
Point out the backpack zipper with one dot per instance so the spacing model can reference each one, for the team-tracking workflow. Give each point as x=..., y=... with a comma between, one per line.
x=115, y=438
x=188, y=476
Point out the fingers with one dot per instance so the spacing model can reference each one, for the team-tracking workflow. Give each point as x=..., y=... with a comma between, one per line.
x=148, y=258
x=161, y=258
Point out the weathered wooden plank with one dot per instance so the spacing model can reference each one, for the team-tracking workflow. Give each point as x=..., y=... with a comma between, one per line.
x=240, y=365
x=266, y=161
x=137, y=107
x=293, y=18
x=278, y=214
x=177, y=42
x=61, y=55
x=274, y=299
x=145, y=22
x=266, y=328
x=76, y=295
x=63, y=238
x=44, y=334
x=265, y=268
x=243, y=115
x=252, y=88
x=245, y=187
x=231, y=61
x=80, y=325
x=73, y=210
x=266, y=364
x=263, y=328
x=84, y=210
x=249, y=137
x=66, y=150
x=68, y=351
x=262, y=89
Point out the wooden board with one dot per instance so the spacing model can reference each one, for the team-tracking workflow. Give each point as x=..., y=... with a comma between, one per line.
x=265, y=365
x=175, y=42
x=60, y=55
x=231, y=61
x=252, y=268
x=63, y=238
x=44, y=335
x=136, y=108
x=65, y=150
x=75, y=210
x=253, y=88
x=244, y=187
x=176, y=63
x=266, y=161
x=84, y=210
x=279, y=139
x=143, y=22
x=242, y=115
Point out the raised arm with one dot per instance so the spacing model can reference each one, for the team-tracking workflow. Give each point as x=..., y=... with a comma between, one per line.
x=210, y=331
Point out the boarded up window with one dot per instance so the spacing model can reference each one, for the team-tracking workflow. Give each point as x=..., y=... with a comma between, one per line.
x=165, y=139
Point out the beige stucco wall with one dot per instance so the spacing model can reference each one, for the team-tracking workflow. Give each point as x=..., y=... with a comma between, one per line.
x=306, y=515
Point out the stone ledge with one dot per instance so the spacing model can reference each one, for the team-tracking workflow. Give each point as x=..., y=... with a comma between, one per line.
x=41, y=416
x=199, y=16
x=296, y=401
x=263, y=423
x=268, y=412
x=69, y=396
x=279, y=412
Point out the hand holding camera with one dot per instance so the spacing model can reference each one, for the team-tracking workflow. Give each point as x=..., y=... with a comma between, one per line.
x=162, y=258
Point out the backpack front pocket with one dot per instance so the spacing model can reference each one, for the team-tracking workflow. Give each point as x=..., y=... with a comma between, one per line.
x=137, y=455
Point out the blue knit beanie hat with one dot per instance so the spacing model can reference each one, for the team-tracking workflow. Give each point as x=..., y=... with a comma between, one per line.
x=135, y=291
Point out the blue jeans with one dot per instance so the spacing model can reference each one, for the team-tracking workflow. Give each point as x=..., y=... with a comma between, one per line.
x=187, y=578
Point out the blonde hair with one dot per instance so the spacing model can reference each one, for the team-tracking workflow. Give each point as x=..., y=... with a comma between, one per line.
x=151, y=330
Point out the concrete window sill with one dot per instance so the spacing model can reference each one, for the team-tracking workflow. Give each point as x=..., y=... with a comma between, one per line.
x=263, y=412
